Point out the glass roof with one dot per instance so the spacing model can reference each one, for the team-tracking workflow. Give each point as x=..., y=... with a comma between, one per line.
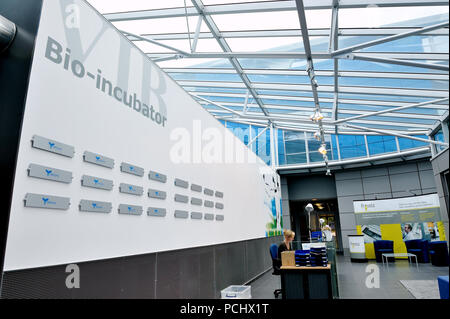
x=253, y=56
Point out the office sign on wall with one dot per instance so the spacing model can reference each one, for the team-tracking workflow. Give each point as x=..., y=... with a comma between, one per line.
x=423, y=208
x=96, y=144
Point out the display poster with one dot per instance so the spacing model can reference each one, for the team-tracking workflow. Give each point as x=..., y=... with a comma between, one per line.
x=399, y=219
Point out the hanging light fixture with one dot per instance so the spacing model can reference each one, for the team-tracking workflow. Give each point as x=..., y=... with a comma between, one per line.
x=317, y=116
x=323, y=150
x=317, y=135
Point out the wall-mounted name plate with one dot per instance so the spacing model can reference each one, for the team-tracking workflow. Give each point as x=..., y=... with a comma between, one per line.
x=130, y=209
x=220, y=218
x=49, y=173
x=95, y=206
x=46, y=201
x=98, y=159
x=209, y=203
x=181, y=183
x=219, y=194
x=52, y=146
x=209, y=216
x=196, y=201
x=208, y=192
x=196, y=188
x=131, y=169
x=219, y=205
x=131, y=189
x=155, y=211
x=181, y=214
x=181, y=198
x=157, y=177
x=154, y=193
x=196, y=215
x=96, y=182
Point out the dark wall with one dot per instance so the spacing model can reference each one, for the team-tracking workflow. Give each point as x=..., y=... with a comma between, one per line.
x=379, y=182
x=15, y=66
x=307, y=187
x=189, y=273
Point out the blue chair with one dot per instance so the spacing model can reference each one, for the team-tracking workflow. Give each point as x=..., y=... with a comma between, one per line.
x=439, y=253
x=443, y=286
x=418, y=247
x=383, y=247
x=276, y=264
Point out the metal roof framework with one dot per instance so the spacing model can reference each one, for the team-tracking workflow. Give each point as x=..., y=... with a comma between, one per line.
x=348, y=109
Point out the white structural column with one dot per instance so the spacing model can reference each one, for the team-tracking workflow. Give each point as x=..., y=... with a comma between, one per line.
x=333, y=46
x=312, y=77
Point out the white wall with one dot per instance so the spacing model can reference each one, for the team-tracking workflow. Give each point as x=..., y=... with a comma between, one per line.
x=73, y=111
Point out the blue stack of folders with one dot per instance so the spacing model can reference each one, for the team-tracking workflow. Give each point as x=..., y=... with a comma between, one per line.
x=315, y=257
x=318, y=257
x=302, y=258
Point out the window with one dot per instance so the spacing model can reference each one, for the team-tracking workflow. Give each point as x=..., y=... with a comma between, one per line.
x=381, y=144
x=352, y=146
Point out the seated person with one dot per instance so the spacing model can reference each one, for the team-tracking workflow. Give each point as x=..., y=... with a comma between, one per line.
x=286, y=244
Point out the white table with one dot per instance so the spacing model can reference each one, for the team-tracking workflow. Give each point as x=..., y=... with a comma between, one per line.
x=398, y=255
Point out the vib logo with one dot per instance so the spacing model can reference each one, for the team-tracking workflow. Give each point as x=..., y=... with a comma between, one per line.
x=99, y=159
x=96, y=206
x=131, y=209
x=53, y=146
x=131, y=168
x=50, y=173
x=47, y=201
x=98, y=182
x=130, y=188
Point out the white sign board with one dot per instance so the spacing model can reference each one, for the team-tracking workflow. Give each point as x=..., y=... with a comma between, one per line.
x=356, y=244
x=109, y=121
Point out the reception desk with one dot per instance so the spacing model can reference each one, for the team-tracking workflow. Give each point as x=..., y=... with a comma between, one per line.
x=306, y=282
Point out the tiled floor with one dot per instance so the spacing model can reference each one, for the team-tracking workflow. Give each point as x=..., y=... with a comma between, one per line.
x=352, y=280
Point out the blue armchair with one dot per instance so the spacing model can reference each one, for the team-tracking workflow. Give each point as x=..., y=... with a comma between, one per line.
x=383, y=247
x=443, y=286
x=418, y=247
x=439, y=253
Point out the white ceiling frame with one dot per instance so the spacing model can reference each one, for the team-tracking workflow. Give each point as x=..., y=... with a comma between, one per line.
x=324, y=100
x=322, y=88
x=269, y=6
x=294, y=109
x=291, y=33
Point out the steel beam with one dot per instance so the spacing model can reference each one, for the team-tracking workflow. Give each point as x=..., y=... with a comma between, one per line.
x=197, y=33
x=257, y=136
x=356, y=160
x=365, y=57
x=281, y=72
x=268, y=6
x=147, y=39
x=216, y=104
x=302, y=56
x=322, y=88
x=391, y=110
x=319, y=32
x=387, y=132
x=388, y=39
x=225, y=47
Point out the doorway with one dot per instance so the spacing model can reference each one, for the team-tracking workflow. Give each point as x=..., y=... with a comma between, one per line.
x=326, y=209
